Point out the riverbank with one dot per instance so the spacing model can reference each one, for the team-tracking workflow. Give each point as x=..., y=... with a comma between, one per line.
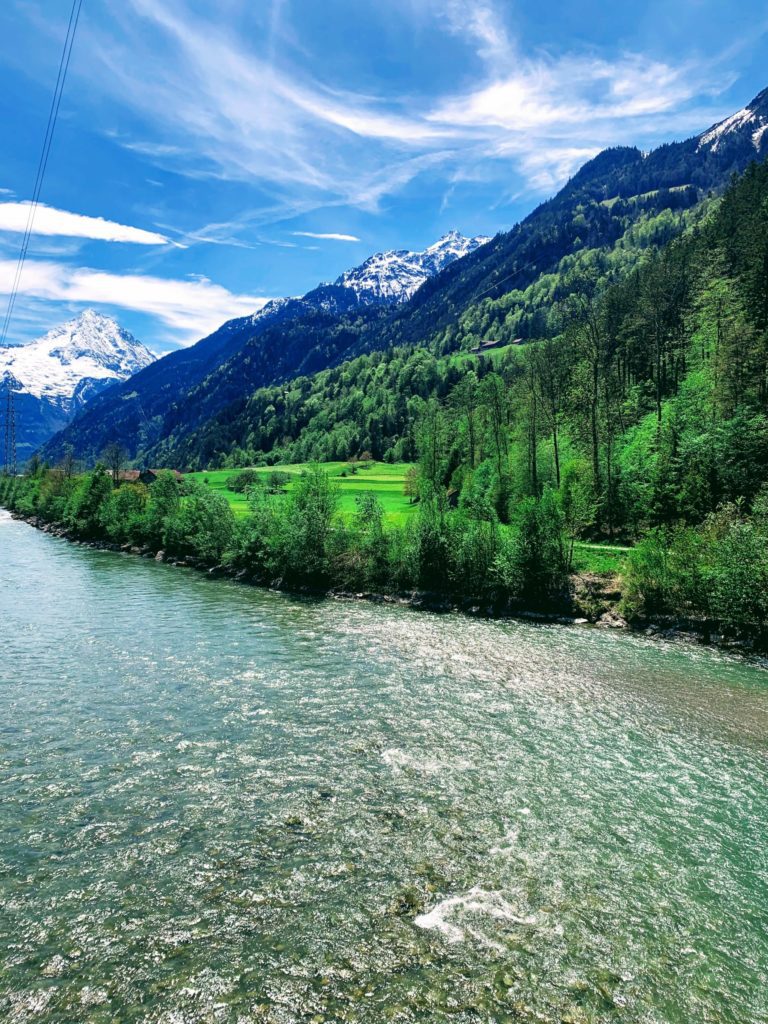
x=593, y=600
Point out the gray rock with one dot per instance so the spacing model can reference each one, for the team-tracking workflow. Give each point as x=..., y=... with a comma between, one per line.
x=612, y=620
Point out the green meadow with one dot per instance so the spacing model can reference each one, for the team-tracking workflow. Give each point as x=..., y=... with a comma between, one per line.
x=383, y=479
x=386, y=481
x=599, y=558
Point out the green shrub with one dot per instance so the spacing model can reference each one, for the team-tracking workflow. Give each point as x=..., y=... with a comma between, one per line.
x=243, y=481
x=122, y=514
x=532, y=562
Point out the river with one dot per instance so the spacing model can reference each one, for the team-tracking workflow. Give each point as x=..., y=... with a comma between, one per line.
x=224, y=804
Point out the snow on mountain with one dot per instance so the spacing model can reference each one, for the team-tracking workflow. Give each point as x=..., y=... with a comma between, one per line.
x=386, y=278
x=53, y=377
x=393, y=276
x=749, y=123
x=92, y=347
x=170, y=389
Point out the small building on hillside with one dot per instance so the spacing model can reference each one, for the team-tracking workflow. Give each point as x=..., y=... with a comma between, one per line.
x=133, y=476
x=143, y=476
x=488, y=346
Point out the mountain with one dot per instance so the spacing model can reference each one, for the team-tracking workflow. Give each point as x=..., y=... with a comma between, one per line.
x=141, y=411
x=643, y=422
x=596, y=229
x=619, y=188
x=394, y=276
x=746, y=127
x=55, y=376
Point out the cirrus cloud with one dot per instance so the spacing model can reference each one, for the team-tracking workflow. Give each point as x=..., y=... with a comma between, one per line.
x=316, y=145
x=329, y=235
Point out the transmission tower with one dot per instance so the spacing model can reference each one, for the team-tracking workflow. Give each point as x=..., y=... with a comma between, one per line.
x=9, y=449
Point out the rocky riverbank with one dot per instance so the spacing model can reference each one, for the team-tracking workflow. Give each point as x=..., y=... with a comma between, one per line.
x=594, y=599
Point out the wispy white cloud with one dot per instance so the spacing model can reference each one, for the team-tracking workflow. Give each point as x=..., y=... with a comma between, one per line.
x=480, y=21
x=191, y=308
x=220, y=110
x=368, y=191
x=213, y=106
x=52, y=222
x=576, y=97
x=330, y=235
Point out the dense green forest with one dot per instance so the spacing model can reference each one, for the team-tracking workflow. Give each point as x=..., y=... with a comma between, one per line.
x=579, y=234
x=363, y=402
x=597, y=226
x=644, y=417
x=654, y=387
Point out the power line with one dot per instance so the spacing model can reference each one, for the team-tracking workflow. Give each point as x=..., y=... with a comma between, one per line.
x=53, y=116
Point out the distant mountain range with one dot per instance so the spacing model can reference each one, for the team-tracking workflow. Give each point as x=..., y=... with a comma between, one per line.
x=141, y=414
x=54, y=377
x=394, y=276
x=623, y=199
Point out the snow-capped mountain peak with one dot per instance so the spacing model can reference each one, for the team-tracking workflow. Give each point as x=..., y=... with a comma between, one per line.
x=92, y=347
x=455, y=244
x=749, y=125
x=393, y=276
x=53, y=377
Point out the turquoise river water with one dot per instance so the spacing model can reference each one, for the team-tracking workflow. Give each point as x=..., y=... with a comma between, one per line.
x=220, y=804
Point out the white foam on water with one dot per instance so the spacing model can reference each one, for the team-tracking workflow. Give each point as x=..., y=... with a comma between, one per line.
x=476, y=902
x=398, y=760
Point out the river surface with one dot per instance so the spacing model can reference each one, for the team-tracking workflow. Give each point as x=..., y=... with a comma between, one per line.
x=220, y=804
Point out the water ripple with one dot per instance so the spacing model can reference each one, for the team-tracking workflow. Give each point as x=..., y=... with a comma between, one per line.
x=220, y=804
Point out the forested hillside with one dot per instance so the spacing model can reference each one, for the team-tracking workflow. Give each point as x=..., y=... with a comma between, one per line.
x=685, y=326
x=191, y=385
x=598, y=225
x=644, y=418
x=136, y=412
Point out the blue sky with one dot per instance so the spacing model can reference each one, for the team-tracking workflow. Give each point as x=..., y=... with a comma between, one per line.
x=209, y=156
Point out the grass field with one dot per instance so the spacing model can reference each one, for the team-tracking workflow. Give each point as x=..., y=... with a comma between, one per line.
x=383, y=479
x=386, y=482
x=598, y=557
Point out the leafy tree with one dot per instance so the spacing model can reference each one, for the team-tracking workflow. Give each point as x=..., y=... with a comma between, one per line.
x=163, y=506
x=736, y=575
x=203, y=525
x=122, y=513
x=411, y=483
x=532, y=565
x=310, y=519
x=114, y=458
x=83, y=511
x=243, y=481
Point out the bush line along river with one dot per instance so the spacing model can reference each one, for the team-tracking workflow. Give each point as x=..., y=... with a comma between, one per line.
x=224, y=804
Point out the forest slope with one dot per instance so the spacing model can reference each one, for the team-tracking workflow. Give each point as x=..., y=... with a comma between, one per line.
x=620, y=190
